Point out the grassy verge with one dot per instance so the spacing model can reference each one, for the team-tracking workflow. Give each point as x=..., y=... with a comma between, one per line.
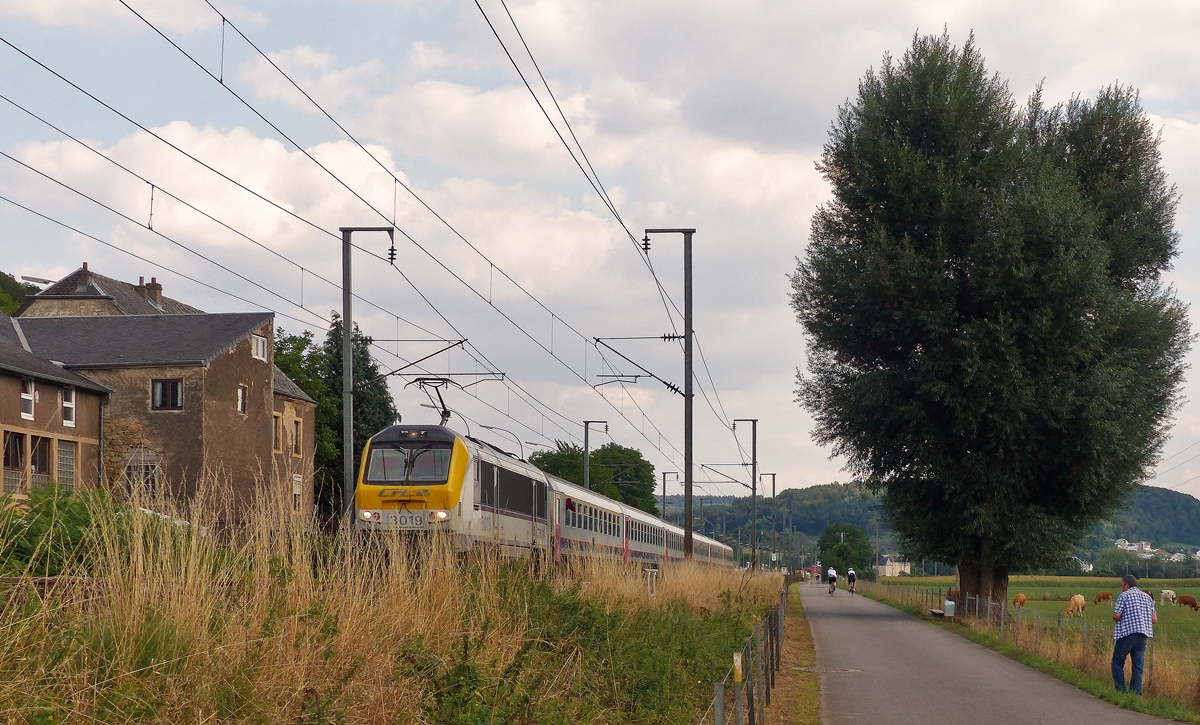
x=274, y=624
x=1097, y=686
x=798, y=695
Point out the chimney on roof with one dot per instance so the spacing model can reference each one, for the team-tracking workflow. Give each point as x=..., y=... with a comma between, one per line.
x=141, y=288
x=155, y=291
x=82, y=280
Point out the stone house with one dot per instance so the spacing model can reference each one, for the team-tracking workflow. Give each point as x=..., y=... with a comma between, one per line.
x=194, y=394
x=50, y=418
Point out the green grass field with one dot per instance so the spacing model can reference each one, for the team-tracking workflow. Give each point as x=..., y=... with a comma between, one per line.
x=1047, y=596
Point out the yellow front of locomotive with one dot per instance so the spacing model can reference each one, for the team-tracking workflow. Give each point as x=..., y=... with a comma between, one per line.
x=411, y=478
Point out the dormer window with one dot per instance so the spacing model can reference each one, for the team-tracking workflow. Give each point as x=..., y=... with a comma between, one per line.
x=68, y=407
x=27, y=397
x=258, y=345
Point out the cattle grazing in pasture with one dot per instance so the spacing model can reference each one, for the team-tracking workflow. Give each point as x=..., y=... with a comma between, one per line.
x=1019, y=601
x=1166, y=595
x=1076, y=605
x=1103, y=597
x=953, y=594
x=1187, y=600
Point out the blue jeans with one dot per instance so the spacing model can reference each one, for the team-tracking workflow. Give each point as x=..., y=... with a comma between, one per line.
x=1130, y=644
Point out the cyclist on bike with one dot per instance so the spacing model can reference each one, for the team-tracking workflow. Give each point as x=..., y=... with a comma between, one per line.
x=851, y=578
x=832, y=575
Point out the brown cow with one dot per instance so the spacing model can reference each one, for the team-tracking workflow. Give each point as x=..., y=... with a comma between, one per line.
x=1187, y=600
x=1019, y=601
x=1077, y=604
x=953, y=594
x=1103, y=597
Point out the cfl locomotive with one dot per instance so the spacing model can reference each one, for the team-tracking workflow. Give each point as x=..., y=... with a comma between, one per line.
x=427, y=478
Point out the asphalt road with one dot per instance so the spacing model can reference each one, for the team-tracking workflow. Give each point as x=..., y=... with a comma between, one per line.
x=879, y=665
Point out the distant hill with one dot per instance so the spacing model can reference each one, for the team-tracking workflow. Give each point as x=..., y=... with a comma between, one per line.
x=1157, y=515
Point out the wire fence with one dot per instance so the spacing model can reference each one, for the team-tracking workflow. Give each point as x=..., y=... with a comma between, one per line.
x=1076, y=639
x=742, y=696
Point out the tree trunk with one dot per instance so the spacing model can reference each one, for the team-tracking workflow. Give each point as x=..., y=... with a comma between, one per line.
x=977, y=576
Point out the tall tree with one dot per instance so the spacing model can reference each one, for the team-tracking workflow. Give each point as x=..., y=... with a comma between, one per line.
x=317, y=369
x=845, y=546
x=990, y=344
x=615, y=471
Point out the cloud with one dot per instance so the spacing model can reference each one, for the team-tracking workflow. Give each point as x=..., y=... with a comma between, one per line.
x=166, y=14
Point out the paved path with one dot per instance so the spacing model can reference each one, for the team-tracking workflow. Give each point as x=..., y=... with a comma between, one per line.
x=879, y=665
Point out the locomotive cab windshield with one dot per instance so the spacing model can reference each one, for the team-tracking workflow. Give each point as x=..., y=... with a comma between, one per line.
x=418, y=462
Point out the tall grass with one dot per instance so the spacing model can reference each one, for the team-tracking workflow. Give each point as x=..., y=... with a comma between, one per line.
x=178, y=617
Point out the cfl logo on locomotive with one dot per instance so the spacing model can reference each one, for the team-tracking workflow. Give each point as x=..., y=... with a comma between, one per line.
x=394, y=492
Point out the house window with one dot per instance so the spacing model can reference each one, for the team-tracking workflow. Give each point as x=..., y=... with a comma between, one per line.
x=14, y=461
x=39, y=461
x=167, y=394
x=68, y=407
x=258, y=347
x=243, y=391
x=66, y=465
x=296, y=448
x=277, y=434
x=143, y=472
x=27, y=393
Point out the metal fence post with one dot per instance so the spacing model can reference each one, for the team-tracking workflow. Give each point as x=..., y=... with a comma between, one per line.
x=1037, y=632
x=1058, y=639
x=1017, y=622
x=1003, y=612
x=719, y=703
x=769, y=625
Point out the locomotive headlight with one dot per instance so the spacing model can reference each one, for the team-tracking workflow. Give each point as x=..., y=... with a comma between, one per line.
x=439, y=515
x=367, y=515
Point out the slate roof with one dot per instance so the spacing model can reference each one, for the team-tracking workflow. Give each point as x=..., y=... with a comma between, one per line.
x=14, y=358
x=82, y=284
x=139, y=340
x=284, y=386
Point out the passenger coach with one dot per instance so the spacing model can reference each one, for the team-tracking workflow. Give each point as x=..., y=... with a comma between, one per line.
x=429, y=478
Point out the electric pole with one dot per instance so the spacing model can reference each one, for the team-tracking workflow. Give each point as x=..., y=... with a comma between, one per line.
x=348, y=454
x=687, y=379
x=753, y=488
x=587, y=453
x=664, y=490
x=774, y=525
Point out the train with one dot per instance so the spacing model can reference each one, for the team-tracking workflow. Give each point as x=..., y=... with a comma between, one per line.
x=429, y=478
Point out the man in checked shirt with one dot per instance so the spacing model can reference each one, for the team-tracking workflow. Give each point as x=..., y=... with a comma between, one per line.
x=1135, y=616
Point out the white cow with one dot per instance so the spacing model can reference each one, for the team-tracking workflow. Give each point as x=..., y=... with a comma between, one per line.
x=1166, y=595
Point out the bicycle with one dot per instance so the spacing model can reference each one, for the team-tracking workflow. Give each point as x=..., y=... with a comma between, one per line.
x=832, y=587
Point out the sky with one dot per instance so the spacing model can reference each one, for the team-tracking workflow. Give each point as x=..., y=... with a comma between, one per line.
x=704, y=115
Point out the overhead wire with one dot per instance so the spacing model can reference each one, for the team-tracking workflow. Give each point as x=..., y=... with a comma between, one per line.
x=522, y=392
x=433, y=257
x=598, y=186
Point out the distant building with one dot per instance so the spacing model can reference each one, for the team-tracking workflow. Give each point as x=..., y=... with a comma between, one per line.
x=193, y=394
x=892, y=567
x=1177, y=557
x=50, y=418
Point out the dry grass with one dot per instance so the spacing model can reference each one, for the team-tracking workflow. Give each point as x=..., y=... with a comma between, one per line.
x=272, y=623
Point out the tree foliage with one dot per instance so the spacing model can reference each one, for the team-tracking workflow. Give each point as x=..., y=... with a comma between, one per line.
x=13, y=293
x=618, y=472
x=991, y=345
x=317, y=369
x=845, y=546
